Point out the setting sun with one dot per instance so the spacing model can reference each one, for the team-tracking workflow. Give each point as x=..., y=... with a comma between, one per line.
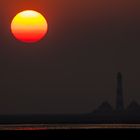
x=29, y=26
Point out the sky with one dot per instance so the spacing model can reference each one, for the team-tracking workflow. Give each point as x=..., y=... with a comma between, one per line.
x=73, y=69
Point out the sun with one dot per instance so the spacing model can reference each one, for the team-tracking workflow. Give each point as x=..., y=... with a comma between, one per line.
x=29, y=26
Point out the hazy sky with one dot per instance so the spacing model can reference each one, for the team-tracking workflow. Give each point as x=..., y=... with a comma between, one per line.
x=73, y=69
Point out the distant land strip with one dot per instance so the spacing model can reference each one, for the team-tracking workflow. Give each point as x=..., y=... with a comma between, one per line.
x=36, y=127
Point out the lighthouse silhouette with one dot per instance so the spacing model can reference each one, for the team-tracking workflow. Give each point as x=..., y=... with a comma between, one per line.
x=119, y=98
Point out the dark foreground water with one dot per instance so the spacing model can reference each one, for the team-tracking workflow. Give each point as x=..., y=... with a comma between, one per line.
x=36, y=127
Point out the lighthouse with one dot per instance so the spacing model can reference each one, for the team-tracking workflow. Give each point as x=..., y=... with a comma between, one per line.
x=119, y=98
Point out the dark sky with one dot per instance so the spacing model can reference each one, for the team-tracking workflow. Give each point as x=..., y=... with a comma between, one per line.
x=73, y=69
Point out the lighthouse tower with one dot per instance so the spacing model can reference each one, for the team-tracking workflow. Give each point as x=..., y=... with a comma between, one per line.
x=119, y=98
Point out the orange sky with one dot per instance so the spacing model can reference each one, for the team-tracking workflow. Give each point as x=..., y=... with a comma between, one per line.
x=82, y=7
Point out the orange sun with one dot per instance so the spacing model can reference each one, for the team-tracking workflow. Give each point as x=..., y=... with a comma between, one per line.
x=29, y=26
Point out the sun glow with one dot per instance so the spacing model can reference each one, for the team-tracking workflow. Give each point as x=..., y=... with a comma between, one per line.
x=29, y=26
